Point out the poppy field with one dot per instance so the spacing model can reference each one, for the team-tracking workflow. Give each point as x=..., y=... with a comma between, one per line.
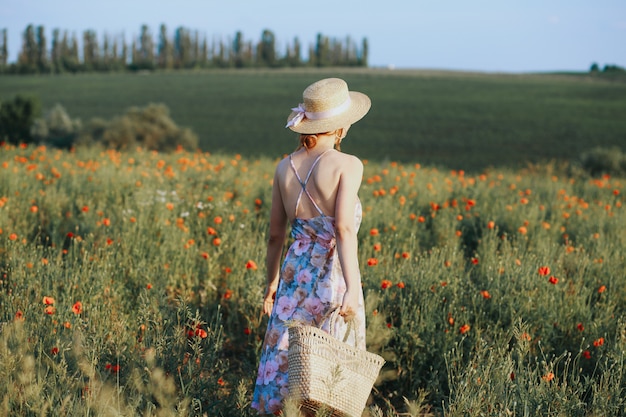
x=131, y=284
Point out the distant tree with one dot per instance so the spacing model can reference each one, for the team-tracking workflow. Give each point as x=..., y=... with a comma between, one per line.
x=238, y=49
x=27, y=59
x=363, y=61
x=43, y=65
x=91, y=51
x=594, y=67
x=182, y=48
x=17, y=117
x=56, y=62
x=267, y=49
x=4, y=51
x=165, y=49
x=144, y=58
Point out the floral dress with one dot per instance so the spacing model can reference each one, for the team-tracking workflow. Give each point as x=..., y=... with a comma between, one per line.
x=311, y=285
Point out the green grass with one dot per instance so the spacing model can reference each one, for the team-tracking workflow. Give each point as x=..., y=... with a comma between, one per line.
x=469, y=318
x=457, y=120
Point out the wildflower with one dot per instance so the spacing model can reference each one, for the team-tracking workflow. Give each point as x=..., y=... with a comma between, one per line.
x=377, y=247
x=372, y=262
x=400, y=285
x=228, y=294
x=106, y=221
x=85, y=209
x=464, y=329
x=580, y=327
x=389, y=325
x=598, y=342
x=169, y=206
x=148, y=286
x=77, y=308
x=544, y=270
x=247, y=331
x=553, y=280
x=406, y=255
x=385, y=284
x=19, y=315
x=251, y=265
x=48, y=300
x=54, y=351
x=548, y=377
x=217, y=241
x=220, y=382
x=475, y=261
x=601, y=289
x=485, y=294
x=34, y=209
x=587, y=354
x=211, y=231
x=13, y=236
x=421, y=219
x=49, y=310
x=522, y=230
x=491, y=224
x=218, y=220
x=204, y=255
x=201, y=333
x=374, y=232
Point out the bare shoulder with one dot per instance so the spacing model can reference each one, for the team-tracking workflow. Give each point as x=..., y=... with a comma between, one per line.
x=349, y=163
x=282, y=166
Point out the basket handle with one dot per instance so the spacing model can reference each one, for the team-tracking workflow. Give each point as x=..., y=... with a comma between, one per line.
x=332, y=316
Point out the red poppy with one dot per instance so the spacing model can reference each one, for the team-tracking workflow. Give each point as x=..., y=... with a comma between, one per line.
x=553, y=280
x=385, y=284
x=587, y=354
x=544, y=270
x=54, y=350
x=77, y=308
x=580, y=327
x=201, y=333
x=251, y=265
x=247, y=331
x=48, y=300
x=400, y=285
x=485, y=294
x=464, y=329
x=374, y=232
x=372, y=262
x=598, y=342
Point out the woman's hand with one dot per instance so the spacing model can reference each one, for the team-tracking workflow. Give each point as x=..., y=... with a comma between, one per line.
x=350, y=305
x=268, y=299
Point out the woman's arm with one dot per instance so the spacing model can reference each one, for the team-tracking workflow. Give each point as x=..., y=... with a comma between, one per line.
x=276, y=240
x=347, y=245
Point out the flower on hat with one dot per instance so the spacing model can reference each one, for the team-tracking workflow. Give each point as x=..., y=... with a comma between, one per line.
x=300, y=113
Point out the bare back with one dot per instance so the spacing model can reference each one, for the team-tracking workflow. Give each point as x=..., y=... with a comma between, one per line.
x=320, y=175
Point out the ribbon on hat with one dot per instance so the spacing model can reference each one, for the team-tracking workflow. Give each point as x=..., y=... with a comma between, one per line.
x=300, y=113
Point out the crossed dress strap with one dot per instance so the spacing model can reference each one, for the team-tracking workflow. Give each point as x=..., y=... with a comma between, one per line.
x=304, y=183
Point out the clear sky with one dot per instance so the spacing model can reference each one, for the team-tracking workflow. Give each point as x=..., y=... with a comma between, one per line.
x=475, y=35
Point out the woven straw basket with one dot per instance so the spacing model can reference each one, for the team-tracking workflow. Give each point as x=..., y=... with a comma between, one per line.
x=326, y=373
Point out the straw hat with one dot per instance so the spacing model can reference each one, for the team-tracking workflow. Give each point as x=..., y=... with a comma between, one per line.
x=328, y=106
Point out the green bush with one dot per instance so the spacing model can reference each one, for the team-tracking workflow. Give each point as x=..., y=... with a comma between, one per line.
x=16, y=119
x=56, y=128
x=150, y=127
x=600, y=161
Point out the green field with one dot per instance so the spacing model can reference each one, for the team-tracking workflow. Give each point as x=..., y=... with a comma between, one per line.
x=458, y=120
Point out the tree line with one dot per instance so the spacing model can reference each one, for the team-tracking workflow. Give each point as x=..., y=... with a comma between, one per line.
x=184, y=49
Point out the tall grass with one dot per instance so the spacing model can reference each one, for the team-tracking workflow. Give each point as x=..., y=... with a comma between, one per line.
x=131, y=285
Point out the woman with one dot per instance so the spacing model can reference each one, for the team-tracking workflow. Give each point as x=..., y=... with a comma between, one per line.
x=315, y=190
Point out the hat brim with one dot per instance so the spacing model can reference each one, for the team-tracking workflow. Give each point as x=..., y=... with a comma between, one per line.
x=359, y=106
